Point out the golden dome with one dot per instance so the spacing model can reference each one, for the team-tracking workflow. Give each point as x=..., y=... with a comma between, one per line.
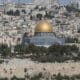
x=44, y=26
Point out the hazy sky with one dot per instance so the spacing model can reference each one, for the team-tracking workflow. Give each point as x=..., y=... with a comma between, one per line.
x=61, y=1
x=64, y=1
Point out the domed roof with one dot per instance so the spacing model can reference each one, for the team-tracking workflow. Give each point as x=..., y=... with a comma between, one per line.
x=43, y=26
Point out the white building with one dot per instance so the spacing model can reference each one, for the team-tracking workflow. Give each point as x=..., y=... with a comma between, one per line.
x=78, y=1
x=47, y=3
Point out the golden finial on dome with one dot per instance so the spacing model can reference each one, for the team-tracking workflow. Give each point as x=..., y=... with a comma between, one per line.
x=44, y=26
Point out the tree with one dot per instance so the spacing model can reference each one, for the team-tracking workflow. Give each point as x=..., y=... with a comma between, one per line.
x=37, y=77
x=24, y=11
x=5, y=50
x=32, y=48
x=36, y=7
x=11, y=12
x=17, y=13
x=20, y=49
x=59, y=77
x=31, y=17
x=74, y=48
x=39, y=16
x=72, y=8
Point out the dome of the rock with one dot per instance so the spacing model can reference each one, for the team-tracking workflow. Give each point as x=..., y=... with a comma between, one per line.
x=44, y=26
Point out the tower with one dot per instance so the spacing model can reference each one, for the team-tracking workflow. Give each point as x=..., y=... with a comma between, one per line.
x=78, y=2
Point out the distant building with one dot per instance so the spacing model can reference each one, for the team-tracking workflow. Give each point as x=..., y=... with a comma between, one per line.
x=47, y=3
x=76, y=3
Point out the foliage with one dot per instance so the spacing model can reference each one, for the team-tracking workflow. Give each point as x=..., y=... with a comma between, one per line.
x=59, y=53
x=21, y=49
x=49, y=15
x=17, y=13
x=71, y=40
x=13, y=13
x=39, y=16
x=37, y=77
x=15, y=78
x=72, y=8
x=4, y=79
x=4, y=50
x=24, y=11
x=40, y=76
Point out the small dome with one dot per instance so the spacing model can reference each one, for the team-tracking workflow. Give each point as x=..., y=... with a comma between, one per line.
x=43, y=26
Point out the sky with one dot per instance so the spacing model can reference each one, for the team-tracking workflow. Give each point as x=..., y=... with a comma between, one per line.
x=27, y=1
x=64, y=1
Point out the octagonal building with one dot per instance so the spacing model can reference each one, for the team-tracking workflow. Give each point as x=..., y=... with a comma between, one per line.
x=43, y=36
